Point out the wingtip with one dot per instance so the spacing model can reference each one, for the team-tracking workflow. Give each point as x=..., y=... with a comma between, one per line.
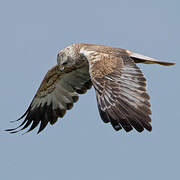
x=173, y=64
x=8, y=130
x=167, y=63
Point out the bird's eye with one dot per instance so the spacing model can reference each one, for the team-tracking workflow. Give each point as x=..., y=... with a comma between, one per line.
x=64, y=63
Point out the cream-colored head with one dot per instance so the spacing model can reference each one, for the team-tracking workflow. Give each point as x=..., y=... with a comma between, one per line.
x=70, y=56
x=66, y=57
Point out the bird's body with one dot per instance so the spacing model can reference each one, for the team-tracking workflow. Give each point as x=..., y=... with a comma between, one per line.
x=119, y=84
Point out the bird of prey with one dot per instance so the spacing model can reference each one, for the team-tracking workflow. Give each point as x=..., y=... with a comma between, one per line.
x=120, y=87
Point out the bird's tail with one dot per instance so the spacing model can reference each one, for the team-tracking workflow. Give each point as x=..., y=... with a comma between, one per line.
x=138, y=58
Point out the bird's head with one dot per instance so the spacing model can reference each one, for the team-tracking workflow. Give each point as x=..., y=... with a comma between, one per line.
x=64, y=59
x=70, y=57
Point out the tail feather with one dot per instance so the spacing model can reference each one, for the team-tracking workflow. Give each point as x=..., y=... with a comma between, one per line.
x=138, y=58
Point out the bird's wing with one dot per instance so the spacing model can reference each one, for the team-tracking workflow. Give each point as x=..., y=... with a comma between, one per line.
x=118, y=52
x=139, y=58
x=56, y=94
x=120, y=89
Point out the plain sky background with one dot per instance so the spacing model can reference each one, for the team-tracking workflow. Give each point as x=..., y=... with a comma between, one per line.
x=80, y=146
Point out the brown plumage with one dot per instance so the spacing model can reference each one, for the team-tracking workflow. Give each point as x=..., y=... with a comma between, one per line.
x=120, y=87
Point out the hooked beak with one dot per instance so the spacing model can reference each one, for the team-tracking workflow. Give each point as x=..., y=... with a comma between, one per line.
x=61, y=68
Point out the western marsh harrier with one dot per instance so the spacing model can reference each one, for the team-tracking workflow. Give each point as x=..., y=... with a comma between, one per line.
x=120, y=87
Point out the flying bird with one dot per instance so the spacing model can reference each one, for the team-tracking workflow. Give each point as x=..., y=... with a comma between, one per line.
x=120, y=87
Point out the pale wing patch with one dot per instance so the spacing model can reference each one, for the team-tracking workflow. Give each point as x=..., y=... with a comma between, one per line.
x=86, y=52
x=57, y=94
x=139, y=58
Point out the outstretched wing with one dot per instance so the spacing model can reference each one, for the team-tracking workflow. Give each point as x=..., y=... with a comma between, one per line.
x=57, y=93
x=121, y=91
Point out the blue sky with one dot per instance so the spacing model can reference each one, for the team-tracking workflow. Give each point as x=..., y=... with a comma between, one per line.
x=81, y=146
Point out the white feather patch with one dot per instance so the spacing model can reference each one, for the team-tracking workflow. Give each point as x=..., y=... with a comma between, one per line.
x=140, y=56
x=85, y=52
